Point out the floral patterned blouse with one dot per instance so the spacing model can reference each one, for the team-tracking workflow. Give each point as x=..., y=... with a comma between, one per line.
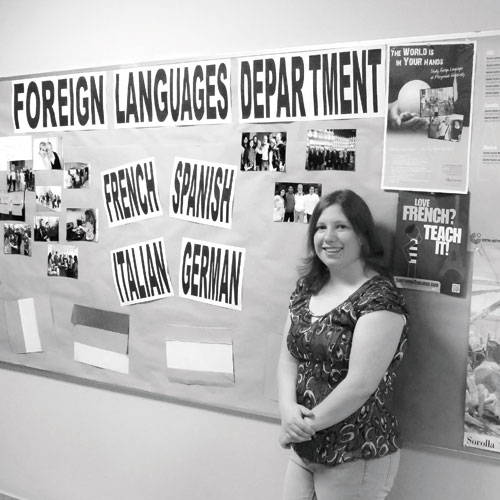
x=322, y=346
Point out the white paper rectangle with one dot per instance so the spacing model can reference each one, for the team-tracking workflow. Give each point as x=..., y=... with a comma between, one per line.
x=29, y=325
x=101, y=358
x=199, y=356
x=14, y=148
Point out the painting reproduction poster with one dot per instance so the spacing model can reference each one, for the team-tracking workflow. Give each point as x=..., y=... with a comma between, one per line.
x=430, y=252
x=482, y=396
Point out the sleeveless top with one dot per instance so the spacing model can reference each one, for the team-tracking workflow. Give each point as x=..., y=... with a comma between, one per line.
x=322, y=349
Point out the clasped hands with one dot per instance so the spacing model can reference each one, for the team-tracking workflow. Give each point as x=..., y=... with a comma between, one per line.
x=296, y=425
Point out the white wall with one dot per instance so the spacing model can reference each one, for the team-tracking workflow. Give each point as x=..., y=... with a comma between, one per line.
x=60, y=441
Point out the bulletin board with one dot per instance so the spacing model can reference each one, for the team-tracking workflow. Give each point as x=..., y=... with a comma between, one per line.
x=255, y=256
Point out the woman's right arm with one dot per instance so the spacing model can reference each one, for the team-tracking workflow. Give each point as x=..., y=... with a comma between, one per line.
x=293, y=427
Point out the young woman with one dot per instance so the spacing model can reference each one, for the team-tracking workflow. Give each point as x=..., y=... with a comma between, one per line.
x=345, y=336
x=43, y=153
x=53, y=157
x=245, y=149
x=88, y=227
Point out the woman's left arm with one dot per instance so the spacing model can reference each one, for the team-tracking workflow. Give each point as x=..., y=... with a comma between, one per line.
x=375, y=340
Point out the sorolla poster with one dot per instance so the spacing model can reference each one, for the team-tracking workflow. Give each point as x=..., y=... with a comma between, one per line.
x=482, y=395
x=430, y=251
x=430, y=88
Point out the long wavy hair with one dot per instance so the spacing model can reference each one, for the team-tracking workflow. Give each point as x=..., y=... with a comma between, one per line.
x=313, y=271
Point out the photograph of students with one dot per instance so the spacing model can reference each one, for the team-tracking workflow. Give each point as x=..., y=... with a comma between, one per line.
x=47, y=153
x=48, y=198
x=297, y=206
x=436, y=102
x=17, y=239
x=46, y=228
x=76, y=175
x=81, y=224
x=20, y=176
x=331, y=149
x=263, y=151
x=62, y=261
x=446, y=128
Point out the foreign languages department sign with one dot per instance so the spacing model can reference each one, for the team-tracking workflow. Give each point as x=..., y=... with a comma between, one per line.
x=173, y=94
x=308, y=86
x=62, y=102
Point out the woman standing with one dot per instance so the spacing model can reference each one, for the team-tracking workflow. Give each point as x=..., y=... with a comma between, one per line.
x=344, y=338
x=245, y=149
x=279, y=206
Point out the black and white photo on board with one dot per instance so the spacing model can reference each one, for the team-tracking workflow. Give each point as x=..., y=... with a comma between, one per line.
x=446, y=128
x=48, y=198
x=295, y=201
x=438, y=101
x=331, y=149
x=12, y=205
x=81, y=224
x=47, y=153
x=62, y=261
x=15, y=148
x=263, y=151
x=46, y=228
x=20, y=176
x=17, y=239
x=76, y=175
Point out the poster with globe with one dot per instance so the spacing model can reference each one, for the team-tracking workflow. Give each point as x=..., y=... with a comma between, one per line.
x=427, y=137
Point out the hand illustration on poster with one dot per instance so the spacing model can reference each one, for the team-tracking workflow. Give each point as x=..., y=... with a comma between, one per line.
x=430, y=251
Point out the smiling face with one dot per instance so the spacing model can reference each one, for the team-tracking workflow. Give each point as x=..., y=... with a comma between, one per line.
x=335, y=242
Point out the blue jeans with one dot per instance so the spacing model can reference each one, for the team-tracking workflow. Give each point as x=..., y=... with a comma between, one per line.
x=359, y=480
